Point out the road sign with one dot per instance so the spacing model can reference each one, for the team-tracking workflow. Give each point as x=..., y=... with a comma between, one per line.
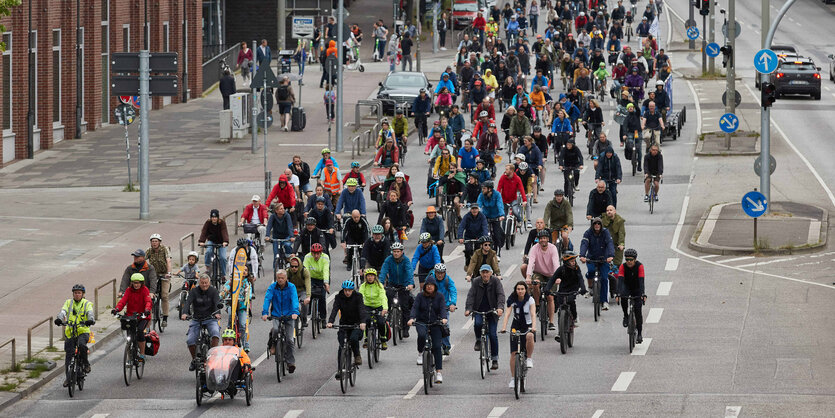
x=729, y=123
x=159, y=85
x=765, y=61
x=260, y=120
x=754, y=204
x=126, y=99
x=125, y=114
x=737, y=98
x=689, y=23
x=158, y=62
x=264, y=72
x=772, y=165
x=692, y=33
x=712, y=49
x=303, y=27
x=738, y=28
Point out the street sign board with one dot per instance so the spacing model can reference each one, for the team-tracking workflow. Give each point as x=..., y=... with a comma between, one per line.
x=729, y=123
x=158, y=62
x=738, y=28
x=737, y=98
x=765, y=61
x=124, y=62
x=159, y=85
x=758, y=163
x=754, y=204
x=260, y=120
x=692, y=33
x=163, y=62
x=712, y=49
x=303, y=27
x=264, y=73
x=125, y=114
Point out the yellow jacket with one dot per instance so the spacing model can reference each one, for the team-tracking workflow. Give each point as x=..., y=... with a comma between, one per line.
x=490, y=81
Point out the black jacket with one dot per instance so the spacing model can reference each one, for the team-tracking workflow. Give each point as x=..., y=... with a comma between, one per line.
x=306, y=239
x=570, y=280
x=204, y=303
x=352, y=309
x=227, y=85
x=493, y=289
x=631, y=281
x=324, y=218
x=355, y=232
x=598, y=202
x=303, y=172
x=654, y=165
x=571, y=157
x=375, y=253
x=396, y=212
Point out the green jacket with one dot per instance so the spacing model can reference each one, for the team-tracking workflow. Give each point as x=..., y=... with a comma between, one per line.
x=73, y=312
x=558, y=215
x=400, y=125
x=478, y=259
x=374, y=295
x=520, y=127
x=320, y=270
x=617, y=229
x=301, y=278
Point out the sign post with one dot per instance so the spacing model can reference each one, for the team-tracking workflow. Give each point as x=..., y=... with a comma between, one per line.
x=125, y=115
x=754, y=204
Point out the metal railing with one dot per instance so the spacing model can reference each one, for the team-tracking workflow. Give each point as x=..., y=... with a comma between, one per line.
x=190, y=234
x=96, y=295
x=13, y=342
x=235, y=212
x=211, y=68
x=48, y=320
x=376, y=106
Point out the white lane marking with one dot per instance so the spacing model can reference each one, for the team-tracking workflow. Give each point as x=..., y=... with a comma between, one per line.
x=260, y=359
x=664, y=289
x=414, y=390
x=710, y=256
x=584, y=169
x=597, y=413
x=293, y=413
x=790, y=19
x=814, y=231
x=768, y=262
x=827, y=88
x=100, y=416
x=623, y=382
x=51, y=218
x=710, y=224
x=468, y=324
x=833, y=94
x=732, y=411
x=4, y=242
x=36, y=229
x=509, y=272
x=641, y=349
x=456, y=253
x=731, y=260
x=672, y=264
x=654, y=315
x=698, y=113
x=497, y=412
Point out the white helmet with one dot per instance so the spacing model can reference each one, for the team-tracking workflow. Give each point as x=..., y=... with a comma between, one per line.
x=193, y=253
x=523, y=166
x=520, y=156
x=399, y=174
x=582, y=13
x=155, y=236
x=659, y=83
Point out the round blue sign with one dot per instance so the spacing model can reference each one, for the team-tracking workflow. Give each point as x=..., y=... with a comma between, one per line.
x=692, y=33
x=729, y=123
x=712, y=49
x=754, y=204
x=765, y=61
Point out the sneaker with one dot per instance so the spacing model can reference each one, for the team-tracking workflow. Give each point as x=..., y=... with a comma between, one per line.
x=656, y=198
x=291, y=368
x=385, y=346
x=557, y=338
x=443, y=49
x=338, y=375
x=405, y=333
x=495, y=365
x=576, y=323
x=587, y=295
x=66, y=382
x=639, y=169
x=358, y=360
x=529, y=363
x=446, y=351
x=512, y=383
x=605, y=306
x=164, y=323
x=420, y=360
x=87, y=369
x=477, y=346
x=365, y=344
x=625, y=322
x=551, y=326
x=639, y=339
x=530, y=226
x=646, y=198
x=438, y=378
x=192, y=365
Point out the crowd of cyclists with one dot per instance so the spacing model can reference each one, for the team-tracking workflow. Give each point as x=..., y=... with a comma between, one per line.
x=478, y=200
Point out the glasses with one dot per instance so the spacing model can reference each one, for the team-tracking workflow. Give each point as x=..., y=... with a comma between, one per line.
x=294, y=267
x=630, y=259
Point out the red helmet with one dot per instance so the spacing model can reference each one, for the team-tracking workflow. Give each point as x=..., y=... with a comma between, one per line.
x=316, y=248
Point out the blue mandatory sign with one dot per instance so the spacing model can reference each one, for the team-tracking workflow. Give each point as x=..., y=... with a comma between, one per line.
x=729, y=123
x=712, y=49
x=754, y=204
x=692, y=33
x=765, y=61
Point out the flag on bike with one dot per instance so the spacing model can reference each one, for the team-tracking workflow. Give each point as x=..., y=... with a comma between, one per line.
x=237, y=279
x=653, y=28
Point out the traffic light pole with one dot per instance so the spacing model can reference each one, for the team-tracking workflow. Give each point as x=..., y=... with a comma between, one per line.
x=765, y=119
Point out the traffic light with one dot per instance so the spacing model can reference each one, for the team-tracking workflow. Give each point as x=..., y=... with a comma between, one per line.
x=704, y=7
x=727, y=55
x=769, y=94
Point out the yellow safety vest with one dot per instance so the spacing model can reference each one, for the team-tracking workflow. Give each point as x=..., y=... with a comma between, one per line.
x=76, y=312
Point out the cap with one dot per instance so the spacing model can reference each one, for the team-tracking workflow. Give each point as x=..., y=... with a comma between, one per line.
x=138, y=253
x=214, y=213
x=329, y=163
x=486, y=267
x=399, y=174
x=430, y=209
x=256, y=198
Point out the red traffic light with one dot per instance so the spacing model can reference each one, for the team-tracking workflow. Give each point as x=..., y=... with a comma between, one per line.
x=769, y=94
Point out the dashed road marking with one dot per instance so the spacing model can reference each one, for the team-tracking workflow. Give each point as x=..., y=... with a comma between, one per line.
x=414, y=390
x=664, y=289
x=468, y=324
x=260, y=359
x=641, y=349
x=4, y=242
x=509, y=271
x=732, y=411
x=497, y=412
x=100, y=416
x=731, y=260
x=654, y=315
x=597, y=413
x=293, y=413
x=623, y=382
x=672, y=264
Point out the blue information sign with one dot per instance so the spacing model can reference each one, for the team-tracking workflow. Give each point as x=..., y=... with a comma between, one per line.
x=754, y=204
x=765, y=61
x=692, y=32
x=712, y=50
x=729, y=123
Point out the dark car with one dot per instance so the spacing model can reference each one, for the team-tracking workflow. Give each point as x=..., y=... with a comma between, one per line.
x=797, y=76
x=783, y=52
x=831, y=66
x=400, y=88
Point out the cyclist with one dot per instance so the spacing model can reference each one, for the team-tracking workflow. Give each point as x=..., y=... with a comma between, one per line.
x=397, y=212
x=301, y=170
x=281, y=301
x=311, y=200
x=433, y=225
x=387, y=155
x=324, y=219
x=190, y=270
x=376, y=249
x=349, y=304
x=213, y=233
x=467, y=156
x=599, y=200
x=284, y=193
x=397, y=271
x=251, y=260
x=202, y=301
x=143, y=267
x=280, y=227
x=601, y=75
x=532, y=152
x=631, y=283
x=491, y=203
x=309, y=236
x=609, y=172
x=355, y=174
x=257, y=214
x=520, y=126
x=430, y=306
x=422, y=105
x=630, y=128
x=137, y=300
x=539, y=225
x=386, y=133
x=159, y=256
x=374, y=296
x=350, y=199
x=426, y=257
x=330, y=181
x=402, y=187
x=300, y=277
x=558, y=213
x=521, y=305
x=319, y=267
x=593, y=120
x=486, y=295
x=355, y=233
x=245, y=291
x=76, y=310
x=597, y=249
x=446, y=287
x=483, y=256
x=472, y=189
x=529, y=183
x=615, y=224
x=482, y=174
x=571, y=159
x=569, y=278
x=400, y=126
x=442, y=163
x=473, y=226
x=543, y=260
x=326, y=156
x=244, y=364
x=653, y=167
x=510, y=187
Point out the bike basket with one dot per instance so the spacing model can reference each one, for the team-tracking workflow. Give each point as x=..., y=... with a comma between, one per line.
x=151, y=343
x=250, y=228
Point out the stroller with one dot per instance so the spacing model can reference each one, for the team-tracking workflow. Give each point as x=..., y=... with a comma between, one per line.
x=221, y=361
x=354, y=60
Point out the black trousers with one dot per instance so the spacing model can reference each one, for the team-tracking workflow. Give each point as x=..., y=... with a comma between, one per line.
x=69, y=348
x=639, y=316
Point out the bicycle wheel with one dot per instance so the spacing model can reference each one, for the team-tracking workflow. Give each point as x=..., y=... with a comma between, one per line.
x=596, y=299
x=543, y=319
x=427, y=372
x=181, y=303
x=127, y=364
x=314, y=315
x=343, y=371
x=651, y=198
x=481, y=362
x=198, y=388
x=517, y=375
x=138, y=364
x=562, y=324
x=352, y=374
x=248, y=390
x=369, y=350
x=279, y=358
x=630, y=330
x=79, y=376
x=634, y=163
x=377, y=347
x=570, y=331
x=299, y=331
x=71, y=377
x=398, y=321
x=485, y=352
x=508, y=232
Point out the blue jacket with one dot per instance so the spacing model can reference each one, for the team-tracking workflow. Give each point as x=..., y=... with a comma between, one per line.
x=422, y=106
x=321, y=165
x=457, y=123
x=280, y=228
x=571, y=110
x=533, y=156
x=608, y=168
x=597, y=246
x=483, y=175
x=284, y=302
x=349, y=201
x=427, y=258
x=491, y=207
x=435, y=227
x=446, y=287
x=473, y=228
x=539, y=80
x=513, y=26
x=445, y=133
x=448, y=84
x=517, y=101
x=261, y=57
x=561, y=125
x=429, y=310
x=398, y=274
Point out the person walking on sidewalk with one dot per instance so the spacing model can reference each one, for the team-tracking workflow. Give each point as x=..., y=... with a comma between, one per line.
x=380, y=34
x=285, y=98
x=227, y=87
x=442, y=24
x=406, y=48
x=264, y=55
x=393, y=51
x=245, y=61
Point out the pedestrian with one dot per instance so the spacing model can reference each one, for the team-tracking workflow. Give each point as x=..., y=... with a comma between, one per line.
x=380, y=34
x=393, y=51
x=285, y=98
x=330, y=102
x=533, y=13
x=301, y=54
x=264, y=54
x=227, y=87
x=406, y=48
x=245, y=61
x=442, y=25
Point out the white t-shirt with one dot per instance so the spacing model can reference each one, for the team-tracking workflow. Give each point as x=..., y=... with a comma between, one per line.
x=294, y=180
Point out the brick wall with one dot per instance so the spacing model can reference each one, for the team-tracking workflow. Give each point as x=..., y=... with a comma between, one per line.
x=48, y=15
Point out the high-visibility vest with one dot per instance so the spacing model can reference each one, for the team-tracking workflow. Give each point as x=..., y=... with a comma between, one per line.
x=330, y=181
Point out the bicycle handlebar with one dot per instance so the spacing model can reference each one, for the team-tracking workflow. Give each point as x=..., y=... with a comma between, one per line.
x=280, y=318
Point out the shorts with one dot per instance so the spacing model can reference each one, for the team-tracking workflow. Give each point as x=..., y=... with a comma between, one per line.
x=284, y=108
x=194, y=330
x=514, y=342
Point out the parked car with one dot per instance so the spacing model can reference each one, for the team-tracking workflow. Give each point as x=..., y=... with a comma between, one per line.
x=463, y=13
x=831, y=66
x=400, y=88
x=797, y=76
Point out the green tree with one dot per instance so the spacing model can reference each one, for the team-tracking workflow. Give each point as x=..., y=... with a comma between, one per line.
x=6, y=10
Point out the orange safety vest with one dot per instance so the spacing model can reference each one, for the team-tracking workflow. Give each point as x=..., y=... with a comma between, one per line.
x=330, y=181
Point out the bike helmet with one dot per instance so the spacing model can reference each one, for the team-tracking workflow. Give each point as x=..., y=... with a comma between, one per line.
x=582, y=13
x=523, y=166
x=568, y=255
x=596, y=220
x=629, y=253
x=425, y=237
x=310, y=221
x=79, y=287
x=399, y=111
x=659, y=83
x=351, y=182
x=348, y=284
x=488, y=184
x=484, y=239
x=483, y=114
x=385, y=121
x=397, y=246
x=155, y=236
x=316, y=248
x=537, y=128
x=326, y=151
x=355, y=164
x=228, y=333
x=370, y=271
x=137, y=277
x=243, y=242
x=543, y=233
x=520, y=156
x=400, y=174
x=440, y=267
x=377, y=229
x=603, y=65
x=193, y=254
x=559, y=192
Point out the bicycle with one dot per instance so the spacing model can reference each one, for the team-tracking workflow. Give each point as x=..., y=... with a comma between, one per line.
x=395, y=315
x=301, y=323
x=484, y=353
x=186, y=288
x=453, y=219
x=279, y=341
x=569, y=183
x=156, y=307
x=565, y=322
x=510, y=226
x=420, y=126
x=348, y=370
x=521, y=367
x=632, y=327
x=636, y=150
x=470, y=246
x=542, y=312
x=356, y=263
x=131, y=359
x=595, y=296
x=252, y=234
x=214, y=265
x=316, y=321
x=280, y=257
x=494, y=226
x=653, y=192
x=373, y=343
x=428, y=367
x=75, y=367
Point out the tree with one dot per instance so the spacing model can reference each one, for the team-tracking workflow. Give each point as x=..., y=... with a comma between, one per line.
x=6, y=10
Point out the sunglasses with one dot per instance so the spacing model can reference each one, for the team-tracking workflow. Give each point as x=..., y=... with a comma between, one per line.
x=294, y=267
x=630, y=259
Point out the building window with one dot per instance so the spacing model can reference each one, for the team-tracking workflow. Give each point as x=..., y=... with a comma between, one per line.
x=81, y=89
x=126, y=38
x=56, y=76
x=165, y=37
x=34, y=56
x=7, y=83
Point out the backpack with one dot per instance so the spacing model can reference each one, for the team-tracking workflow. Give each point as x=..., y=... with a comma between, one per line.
x=282, y=94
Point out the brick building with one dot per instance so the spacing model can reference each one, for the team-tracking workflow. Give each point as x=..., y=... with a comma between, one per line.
x=107, y=26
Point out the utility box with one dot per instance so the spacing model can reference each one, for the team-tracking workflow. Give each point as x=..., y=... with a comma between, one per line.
x=241, y=106
x=225, y=125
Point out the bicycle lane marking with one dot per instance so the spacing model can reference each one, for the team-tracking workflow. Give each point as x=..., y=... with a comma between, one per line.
x=732, y=411
x=642, y=348
x=654, y=316
x=597, y=413
x=293, y=413
x=497, y=412
x=415, y=390
x=672, y=264
x=623, y=382
x=664, y=289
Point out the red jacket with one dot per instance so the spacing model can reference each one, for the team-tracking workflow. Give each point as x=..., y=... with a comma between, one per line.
x=287, y=196
x=479, y=22
x=508, y=188
x=381, y=153
x=137, y=301
x=262, y=213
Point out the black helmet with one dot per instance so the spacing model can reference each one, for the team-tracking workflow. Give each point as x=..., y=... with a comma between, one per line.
x=559, y=192
x=537, y=128
x=488, y=184
x=484, y=239
x=543, y=233
x=243, y=242
x=630, y=253
x=310, y=221
x=79, y=287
